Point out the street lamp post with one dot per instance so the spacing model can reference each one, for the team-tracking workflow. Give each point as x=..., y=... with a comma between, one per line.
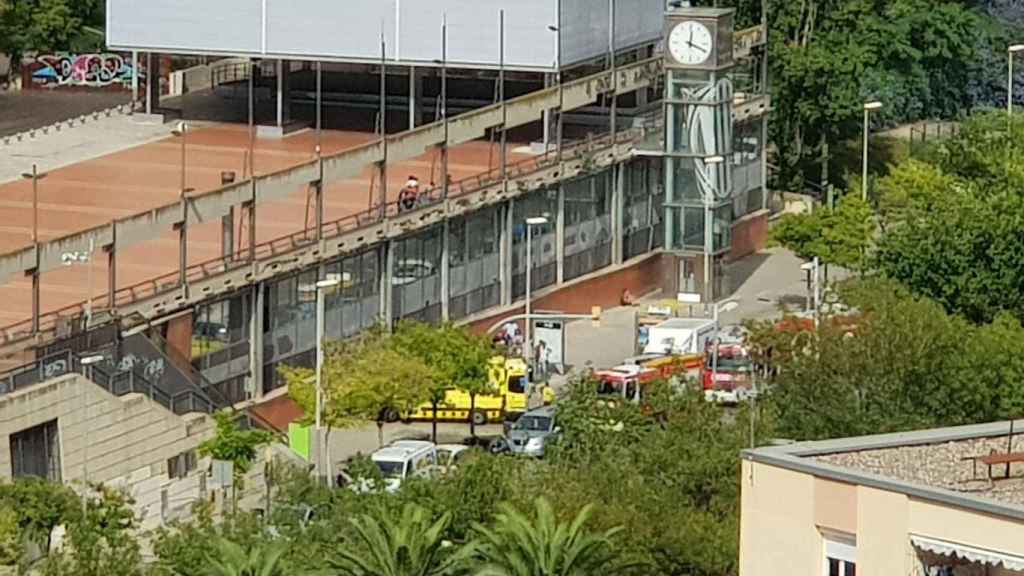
x=709, y=245
x=35, y=176
x=87, y=364
x=1010, y=52
x=180, y=131
x=869, y=107
x=321, y=286
x=528, y=341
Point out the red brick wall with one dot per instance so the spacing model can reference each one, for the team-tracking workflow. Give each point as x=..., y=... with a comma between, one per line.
x=604, y=291
x=749, y=235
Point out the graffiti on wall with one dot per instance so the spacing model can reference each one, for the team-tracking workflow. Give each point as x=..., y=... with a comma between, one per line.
x=95, y=70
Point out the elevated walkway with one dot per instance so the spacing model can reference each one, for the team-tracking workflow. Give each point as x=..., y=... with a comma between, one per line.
x=140, y=303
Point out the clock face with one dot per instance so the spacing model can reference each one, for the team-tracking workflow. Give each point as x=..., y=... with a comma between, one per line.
x=690, y=43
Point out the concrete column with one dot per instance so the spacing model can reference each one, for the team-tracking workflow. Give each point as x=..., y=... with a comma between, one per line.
x=549, y=80
x=507, y=226
x=255, y=384
x=318, y=191
x=35, y=297
x=152, y=82
x=284, y=109
x=560, y=233
x=111, y=250
x=227, y=233
x=386, y=288
x=415, y=93
x=618, y=209
x=446, y=288
x=135, y=81
x=183, y=247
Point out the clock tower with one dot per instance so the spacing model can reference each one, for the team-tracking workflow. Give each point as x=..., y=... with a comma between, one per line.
x=698, y=144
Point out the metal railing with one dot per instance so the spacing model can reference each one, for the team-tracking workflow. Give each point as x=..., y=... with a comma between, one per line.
x=104, y=374
x=170, y=282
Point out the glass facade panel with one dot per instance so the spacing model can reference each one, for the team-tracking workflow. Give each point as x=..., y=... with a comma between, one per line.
x=543, y=248
x=355, y=304
x=220, y=339
x=416, y=277
x=474, y=273
x=588, y=231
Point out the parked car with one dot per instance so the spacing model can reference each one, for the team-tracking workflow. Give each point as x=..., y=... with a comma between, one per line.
x=532, y=432
x=401, y=460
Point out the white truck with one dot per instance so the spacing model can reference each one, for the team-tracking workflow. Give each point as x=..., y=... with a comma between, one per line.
x=680, y=336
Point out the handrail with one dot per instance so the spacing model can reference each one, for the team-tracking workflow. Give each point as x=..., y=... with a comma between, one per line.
x=116, y=381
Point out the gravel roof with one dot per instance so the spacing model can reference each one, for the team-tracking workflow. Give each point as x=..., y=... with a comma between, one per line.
x=942, y=465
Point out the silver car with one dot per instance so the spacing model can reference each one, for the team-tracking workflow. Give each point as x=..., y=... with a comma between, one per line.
x=532, y=431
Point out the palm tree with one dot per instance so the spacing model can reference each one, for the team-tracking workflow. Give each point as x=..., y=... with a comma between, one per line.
x=543, y=546
x=233, y=560
x=406, y=545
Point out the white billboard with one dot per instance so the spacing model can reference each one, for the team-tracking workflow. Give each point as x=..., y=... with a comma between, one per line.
x=350, y=30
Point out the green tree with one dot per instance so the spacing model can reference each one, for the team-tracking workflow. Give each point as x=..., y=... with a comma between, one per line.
x=405, y=544
x=231, y=559
x=233, y=444
x=457, y=358
x=905, y=364
x=182, y=547
x=953, y=225
x=542, y=546
x=840, y=236
x=41, y=506
x=366, y=378
x=101, y=541
x=45, y=26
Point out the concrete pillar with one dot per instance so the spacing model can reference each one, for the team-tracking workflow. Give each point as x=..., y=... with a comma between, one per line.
x=446, y=288
x=35, y=296
x=415, y=93
x=152, y=82
x=284, y=109
x=504, y=254
x=255, y=384
x=549, y=80
x=618, y=209
x=508, y=235
x=183, y=246
x=135, y=81
x=386, y=287
x=560, y=233
x=227, y=233
x=318, y=192
x=111, y=250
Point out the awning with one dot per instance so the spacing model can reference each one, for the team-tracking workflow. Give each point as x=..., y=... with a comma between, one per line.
x=966, y=552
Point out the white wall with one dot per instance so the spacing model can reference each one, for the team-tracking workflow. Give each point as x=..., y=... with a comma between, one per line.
x=350, y=30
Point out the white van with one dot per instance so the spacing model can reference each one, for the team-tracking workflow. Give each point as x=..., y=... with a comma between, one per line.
x=404, y=459
x=680, y=336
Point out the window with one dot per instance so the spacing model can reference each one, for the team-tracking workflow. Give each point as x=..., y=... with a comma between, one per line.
x=179, y=466
x=36, y=452
x=840, y=555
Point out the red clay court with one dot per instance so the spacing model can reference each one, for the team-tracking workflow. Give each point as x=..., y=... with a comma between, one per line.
x=94, y=192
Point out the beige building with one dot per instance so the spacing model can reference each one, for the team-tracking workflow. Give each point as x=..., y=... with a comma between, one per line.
x=70, y=429
x=940, y=503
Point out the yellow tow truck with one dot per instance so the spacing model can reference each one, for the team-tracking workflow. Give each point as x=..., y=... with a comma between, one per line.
x=507, y=398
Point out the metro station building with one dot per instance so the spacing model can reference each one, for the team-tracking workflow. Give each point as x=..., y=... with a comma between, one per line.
x=559, y=103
